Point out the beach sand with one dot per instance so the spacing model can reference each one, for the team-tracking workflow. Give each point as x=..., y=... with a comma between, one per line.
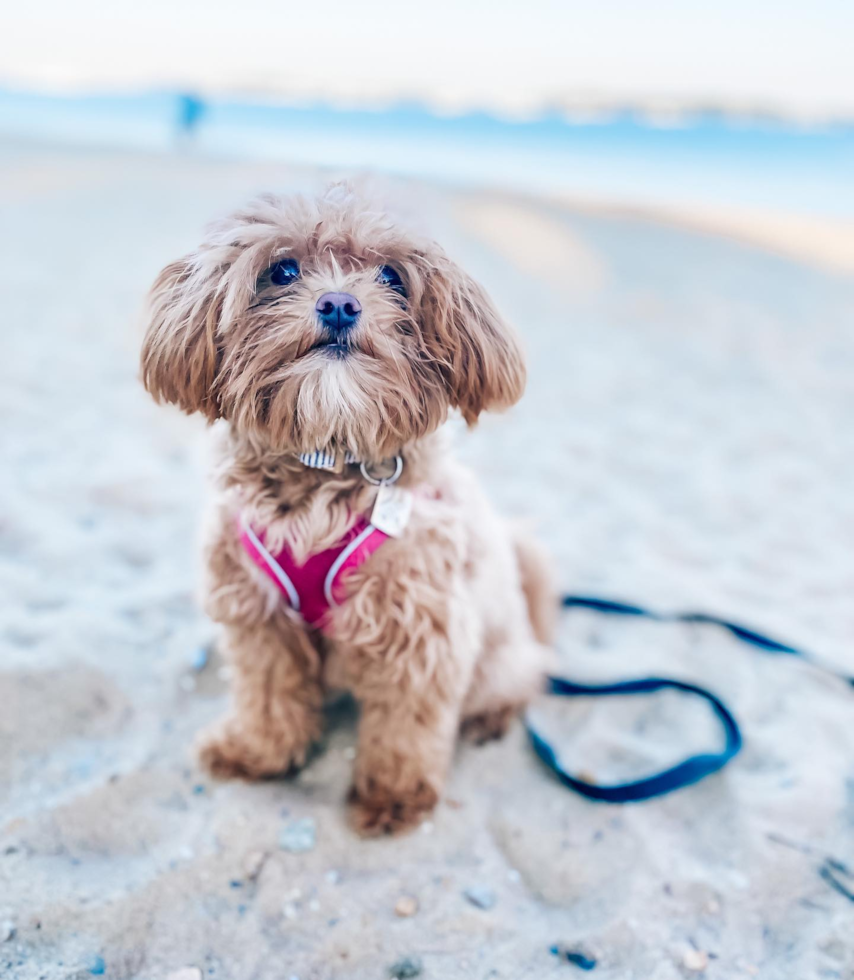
x=686, y=441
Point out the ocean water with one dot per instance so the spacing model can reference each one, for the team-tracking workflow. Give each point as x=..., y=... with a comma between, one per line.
x=708, y=159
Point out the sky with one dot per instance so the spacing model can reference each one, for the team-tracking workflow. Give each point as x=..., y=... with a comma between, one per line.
x=510, y=57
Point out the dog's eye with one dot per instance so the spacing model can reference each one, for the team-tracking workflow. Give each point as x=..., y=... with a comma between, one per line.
x=285, y=272
x=391, y=278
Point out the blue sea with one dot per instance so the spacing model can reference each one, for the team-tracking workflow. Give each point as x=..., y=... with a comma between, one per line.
x=707, y=159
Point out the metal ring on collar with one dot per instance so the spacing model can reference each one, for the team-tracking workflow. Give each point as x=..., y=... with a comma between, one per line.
x=385, y=481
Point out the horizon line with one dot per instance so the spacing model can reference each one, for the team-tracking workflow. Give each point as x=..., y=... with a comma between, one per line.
x=575, y=108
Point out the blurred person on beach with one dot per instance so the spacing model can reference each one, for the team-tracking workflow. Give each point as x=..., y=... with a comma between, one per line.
x=191, y=109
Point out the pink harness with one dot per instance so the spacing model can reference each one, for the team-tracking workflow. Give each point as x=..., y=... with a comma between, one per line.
x=314, y=587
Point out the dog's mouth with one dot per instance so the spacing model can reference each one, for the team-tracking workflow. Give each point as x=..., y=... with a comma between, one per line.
x=334, y=348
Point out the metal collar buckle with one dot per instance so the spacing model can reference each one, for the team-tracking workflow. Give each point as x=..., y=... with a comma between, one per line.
x=379, y=480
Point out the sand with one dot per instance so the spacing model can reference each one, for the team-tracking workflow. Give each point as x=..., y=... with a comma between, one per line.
x=686, y=441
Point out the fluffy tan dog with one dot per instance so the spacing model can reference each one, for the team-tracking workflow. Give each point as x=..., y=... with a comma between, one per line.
x=319, y=326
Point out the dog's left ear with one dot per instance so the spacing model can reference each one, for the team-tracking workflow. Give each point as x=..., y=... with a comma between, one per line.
x=476, y=351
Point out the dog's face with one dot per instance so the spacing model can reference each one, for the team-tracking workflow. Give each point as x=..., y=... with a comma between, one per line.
x=320, y=326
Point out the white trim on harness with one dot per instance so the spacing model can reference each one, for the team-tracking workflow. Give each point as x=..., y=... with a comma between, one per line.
x=273, y=565
x=339, y=561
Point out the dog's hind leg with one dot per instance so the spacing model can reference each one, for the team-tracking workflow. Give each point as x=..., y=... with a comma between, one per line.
x=517, y=655
x=507, y=677
x=538, y=585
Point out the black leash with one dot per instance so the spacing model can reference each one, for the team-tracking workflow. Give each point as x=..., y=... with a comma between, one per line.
x=695, y=767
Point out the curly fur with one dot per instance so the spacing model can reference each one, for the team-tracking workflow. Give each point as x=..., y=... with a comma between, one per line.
x=447, y=625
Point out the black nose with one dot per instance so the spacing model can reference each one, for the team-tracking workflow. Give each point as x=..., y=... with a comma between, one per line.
x=338, y=311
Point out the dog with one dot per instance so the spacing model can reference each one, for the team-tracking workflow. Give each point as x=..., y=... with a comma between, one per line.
x=346, y=548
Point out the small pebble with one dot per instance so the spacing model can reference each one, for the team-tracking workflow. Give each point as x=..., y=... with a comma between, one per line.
x=200, y=659
x=408, y=966
x=514, y=876
x=406, y=906
x=578, y=956
x=253, y=863
x=695, y=960
x=7, y=931
x=349, y=753
x=333, y=876
x=480, y=896
x=289, y=910
x=224, y=673
x=314, y=905
x=299, y=836
x=187, y=973
x=187, y=683
x=98, y=967
x=427, y=827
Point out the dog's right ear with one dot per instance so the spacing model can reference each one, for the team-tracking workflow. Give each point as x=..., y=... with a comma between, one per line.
x=179, y=353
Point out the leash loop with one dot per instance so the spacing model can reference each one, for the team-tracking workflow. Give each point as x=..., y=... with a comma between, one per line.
x=690, y=770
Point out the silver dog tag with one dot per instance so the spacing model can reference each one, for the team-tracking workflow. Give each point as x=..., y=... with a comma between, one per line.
x=392, y=510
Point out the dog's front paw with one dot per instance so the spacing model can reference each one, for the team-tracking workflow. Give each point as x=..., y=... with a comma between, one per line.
x=376, y=810
x=229, y=752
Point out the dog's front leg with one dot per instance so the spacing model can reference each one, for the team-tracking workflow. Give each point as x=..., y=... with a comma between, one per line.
x=405, y=745
x=410, y=714
x=276, y=710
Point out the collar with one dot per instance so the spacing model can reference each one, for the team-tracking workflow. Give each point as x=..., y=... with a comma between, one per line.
x=380, y=474
x=327, y=461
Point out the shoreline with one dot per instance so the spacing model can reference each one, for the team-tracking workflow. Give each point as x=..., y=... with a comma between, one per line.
x=811, y=238
x=655, y=111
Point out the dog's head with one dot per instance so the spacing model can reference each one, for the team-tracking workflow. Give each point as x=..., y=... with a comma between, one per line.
x=312, y=325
